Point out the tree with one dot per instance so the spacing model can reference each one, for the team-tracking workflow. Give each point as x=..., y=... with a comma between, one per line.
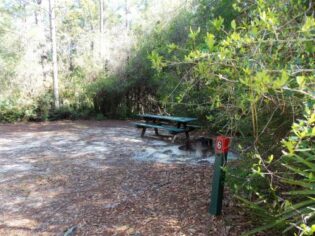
x=52, y=19
x=101, y=29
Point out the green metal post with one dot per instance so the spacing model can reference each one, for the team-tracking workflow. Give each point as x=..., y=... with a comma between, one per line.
x=218, y=184
x=221, y=151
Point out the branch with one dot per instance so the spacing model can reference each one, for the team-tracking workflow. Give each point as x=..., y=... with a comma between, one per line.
x=299, y=91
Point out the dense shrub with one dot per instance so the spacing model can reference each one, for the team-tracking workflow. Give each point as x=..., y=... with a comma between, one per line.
x=42, y=109
x=12, y=112
x=280, y=189
x=247, y=66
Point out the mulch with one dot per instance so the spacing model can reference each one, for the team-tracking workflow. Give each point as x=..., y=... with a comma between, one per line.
x=124, y=197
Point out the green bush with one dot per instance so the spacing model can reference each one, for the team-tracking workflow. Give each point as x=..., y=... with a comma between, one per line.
x=62, y=113
x=44, y=106
x=100, y=116
x=13, y=112
x=42, y=110
x=281, y=190
x=249, y=72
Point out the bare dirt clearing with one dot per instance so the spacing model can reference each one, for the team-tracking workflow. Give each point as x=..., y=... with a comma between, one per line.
x=83, y=177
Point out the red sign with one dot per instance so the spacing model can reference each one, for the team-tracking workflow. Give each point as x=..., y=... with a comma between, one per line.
x=222, y=144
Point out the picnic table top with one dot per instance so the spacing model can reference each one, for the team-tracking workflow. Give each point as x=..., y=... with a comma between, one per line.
x=168, y=118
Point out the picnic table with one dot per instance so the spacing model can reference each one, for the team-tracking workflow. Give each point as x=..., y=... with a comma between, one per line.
x=172, y=124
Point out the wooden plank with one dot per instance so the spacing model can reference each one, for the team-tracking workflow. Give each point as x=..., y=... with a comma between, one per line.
x=170, y=129
x=168, y=118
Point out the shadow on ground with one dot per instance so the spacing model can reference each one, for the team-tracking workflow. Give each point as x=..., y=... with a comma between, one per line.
x=82, y=177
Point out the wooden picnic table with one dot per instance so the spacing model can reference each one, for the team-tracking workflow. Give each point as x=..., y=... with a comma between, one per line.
x=173, y=124
x=177, y=119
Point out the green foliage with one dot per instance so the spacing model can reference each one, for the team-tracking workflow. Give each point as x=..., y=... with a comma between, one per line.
x=288, y=206
x=231, y=60
x=249, y=66
x=108, y=97
x=11, y=113
x=70, y=113
x=100, y=116
x=138, y=88
x=44, y=106
x=244, y=68
x=41, y=110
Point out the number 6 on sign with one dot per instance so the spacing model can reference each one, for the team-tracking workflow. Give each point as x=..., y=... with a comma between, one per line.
x=222, y=144
x=219, y=146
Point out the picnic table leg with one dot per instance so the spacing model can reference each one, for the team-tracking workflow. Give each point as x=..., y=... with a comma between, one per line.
x=143, y=131
x=187, y=140
x=174, y=138
x=156, y=131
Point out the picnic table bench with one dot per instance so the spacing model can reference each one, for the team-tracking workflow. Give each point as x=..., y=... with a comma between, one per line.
x=172, y=124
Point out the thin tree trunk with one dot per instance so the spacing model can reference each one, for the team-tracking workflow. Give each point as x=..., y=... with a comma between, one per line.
x=36, y=17
x=54, y=51
x=126, y=15
x=101, y=16
x=102, y=29
x=92, y=41
x=127, y=25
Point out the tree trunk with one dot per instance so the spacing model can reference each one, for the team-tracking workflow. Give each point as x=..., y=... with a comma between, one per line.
x=126, y=16
x=101, y=16
x=102, y=30
x=36, y=17
x=127, y=25
x=54, y=51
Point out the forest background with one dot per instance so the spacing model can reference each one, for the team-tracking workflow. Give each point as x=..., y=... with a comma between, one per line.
x=244, y=68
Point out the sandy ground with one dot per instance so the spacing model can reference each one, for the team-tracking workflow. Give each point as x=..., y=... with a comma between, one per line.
x=91, y=178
